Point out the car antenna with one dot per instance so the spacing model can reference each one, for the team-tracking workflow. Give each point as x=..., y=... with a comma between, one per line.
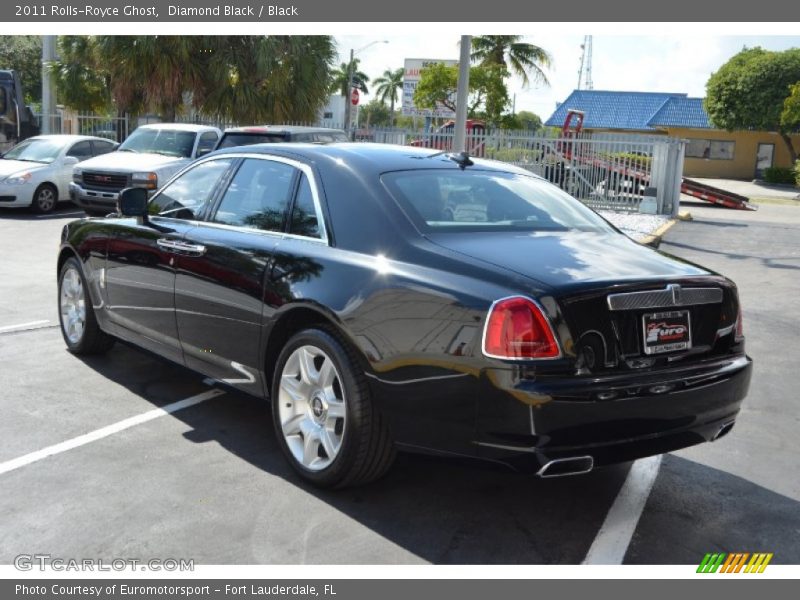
x=462, y=159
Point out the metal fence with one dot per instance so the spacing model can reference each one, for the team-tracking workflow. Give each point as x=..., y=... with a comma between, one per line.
x=112, y=127
x=607, y=171
x=625, y=172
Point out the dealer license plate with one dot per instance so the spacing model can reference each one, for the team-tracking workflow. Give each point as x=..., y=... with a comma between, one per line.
x=667, y=331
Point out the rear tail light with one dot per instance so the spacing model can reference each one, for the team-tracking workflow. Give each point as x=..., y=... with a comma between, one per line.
x=516, y=328
x=739, y=325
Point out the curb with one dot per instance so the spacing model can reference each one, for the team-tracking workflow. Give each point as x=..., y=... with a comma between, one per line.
x=654, y=239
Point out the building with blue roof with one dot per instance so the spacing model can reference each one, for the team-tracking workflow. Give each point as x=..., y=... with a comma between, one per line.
x=710, y=152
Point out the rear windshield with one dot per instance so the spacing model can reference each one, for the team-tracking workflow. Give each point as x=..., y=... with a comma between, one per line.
x=475, y=200
x=230, y=140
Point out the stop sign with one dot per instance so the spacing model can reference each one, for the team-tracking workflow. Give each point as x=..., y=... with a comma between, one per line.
x=354, y=97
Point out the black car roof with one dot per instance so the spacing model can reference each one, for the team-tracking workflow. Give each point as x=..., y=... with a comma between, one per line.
x=368, y=157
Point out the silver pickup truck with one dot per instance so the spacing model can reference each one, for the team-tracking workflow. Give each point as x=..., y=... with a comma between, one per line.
x=148, y=158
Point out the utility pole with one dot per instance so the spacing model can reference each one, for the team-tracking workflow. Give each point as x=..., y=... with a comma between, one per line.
x=48, y=85
x=347, y=105
x=462, y=93
x=585, y=70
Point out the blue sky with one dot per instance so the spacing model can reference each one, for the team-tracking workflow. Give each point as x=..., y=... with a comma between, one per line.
x=655, y=63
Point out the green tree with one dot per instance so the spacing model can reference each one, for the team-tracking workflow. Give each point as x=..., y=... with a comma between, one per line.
x=518, y=57
x=524, y=119
x=339, y=79
x=790, y=117
x=81, y=82
x=751, y=91
x=267, y=79
x=375, y=114
x=154, y=72
x=23, y=53
x=245, y=79
x=389, y=84
x=488, y=95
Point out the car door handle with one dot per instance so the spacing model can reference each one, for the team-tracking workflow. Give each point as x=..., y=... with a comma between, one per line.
x=179, y=247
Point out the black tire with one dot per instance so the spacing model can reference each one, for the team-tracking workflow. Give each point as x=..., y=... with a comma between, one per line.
x=90, y=339
x=366, y=451
x=45, y=198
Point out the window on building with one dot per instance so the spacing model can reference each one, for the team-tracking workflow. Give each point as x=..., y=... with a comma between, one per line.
x=711, y=149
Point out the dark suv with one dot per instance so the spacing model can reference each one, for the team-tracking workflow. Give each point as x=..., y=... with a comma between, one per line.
x=267, y=134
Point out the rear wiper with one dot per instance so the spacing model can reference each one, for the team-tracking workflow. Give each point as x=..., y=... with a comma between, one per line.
x=128, y=150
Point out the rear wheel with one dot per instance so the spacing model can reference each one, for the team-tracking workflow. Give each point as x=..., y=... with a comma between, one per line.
x=45, y=198
x=76, y=315
x=325, y=420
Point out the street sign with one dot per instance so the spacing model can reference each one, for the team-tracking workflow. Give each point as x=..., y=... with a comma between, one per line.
x=354, y=97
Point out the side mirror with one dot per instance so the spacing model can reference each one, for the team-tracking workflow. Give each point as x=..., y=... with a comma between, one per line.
x=70, y=161
x=132, y=202
x=203, y=152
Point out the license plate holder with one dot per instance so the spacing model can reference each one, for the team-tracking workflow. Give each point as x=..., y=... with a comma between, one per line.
x=667, y=331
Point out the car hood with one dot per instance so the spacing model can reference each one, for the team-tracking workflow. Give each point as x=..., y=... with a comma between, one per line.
x=9, y=167
x=130, y=162
x=569, y=259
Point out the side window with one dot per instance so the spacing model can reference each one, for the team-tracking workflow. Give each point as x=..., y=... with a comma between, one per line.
x=207, y=142
x=102, y=147
x=258, y=195
x=304, y=214
x=188, y=196
x=81, y=150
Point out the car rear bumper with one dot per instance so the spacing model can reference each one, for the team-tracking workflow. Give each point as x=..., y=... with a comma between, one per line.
x=610, y=419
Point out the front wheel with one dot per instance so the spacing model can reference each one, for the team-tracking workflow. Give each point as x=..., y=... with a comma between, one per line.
x=325, y=419
x=45, y=198
x=76, y=315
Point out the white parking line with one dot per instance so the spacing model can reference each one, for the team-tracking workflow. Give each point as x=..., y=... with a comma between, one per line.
x=8, y=328
x=611, y=543
x=103, y=432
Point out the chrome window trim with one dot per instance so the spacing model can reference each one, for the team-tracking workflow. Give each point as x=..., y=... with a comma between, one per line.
x=302, y=167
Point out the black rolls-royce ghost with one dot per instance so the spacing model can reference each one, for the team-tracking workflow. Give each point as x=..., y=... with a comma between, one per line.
x=388, y=297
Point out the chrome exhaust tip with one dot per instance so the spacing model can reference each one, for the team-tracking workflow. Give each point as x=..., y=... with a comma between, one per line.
x=724, y=430
x=561, y=467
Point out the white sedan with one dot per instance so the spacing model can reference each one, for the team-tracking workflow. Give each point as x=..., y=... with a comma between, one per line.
x=37, y=171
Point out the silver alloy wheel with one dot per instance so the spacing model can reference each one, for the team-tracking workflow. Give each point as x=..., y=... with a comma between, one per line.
x=312, y=407
x=72, y=302
x=45, y=199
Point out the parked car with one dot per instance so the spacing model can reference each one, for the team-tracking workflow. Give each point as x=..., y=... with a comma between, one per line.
x=269, y=134
x=149, y=157
x=37, y=171
x=341, y=282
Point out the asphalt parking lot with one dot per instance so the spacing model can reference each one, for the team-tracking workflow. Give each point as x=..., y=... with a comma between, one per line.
x=207, y=482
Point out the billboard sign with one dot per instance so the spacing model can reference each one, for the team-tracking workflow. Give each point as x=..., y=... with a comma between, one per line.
x=413, y=67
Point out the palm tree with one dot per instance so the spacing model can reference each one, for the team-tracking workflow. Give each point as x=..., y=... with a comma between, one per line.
x=268, y=79
x=246, y=79
x=507, y=50
x=81, y=82
x=388, y=85
x=339, y=82
x=154, y=72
